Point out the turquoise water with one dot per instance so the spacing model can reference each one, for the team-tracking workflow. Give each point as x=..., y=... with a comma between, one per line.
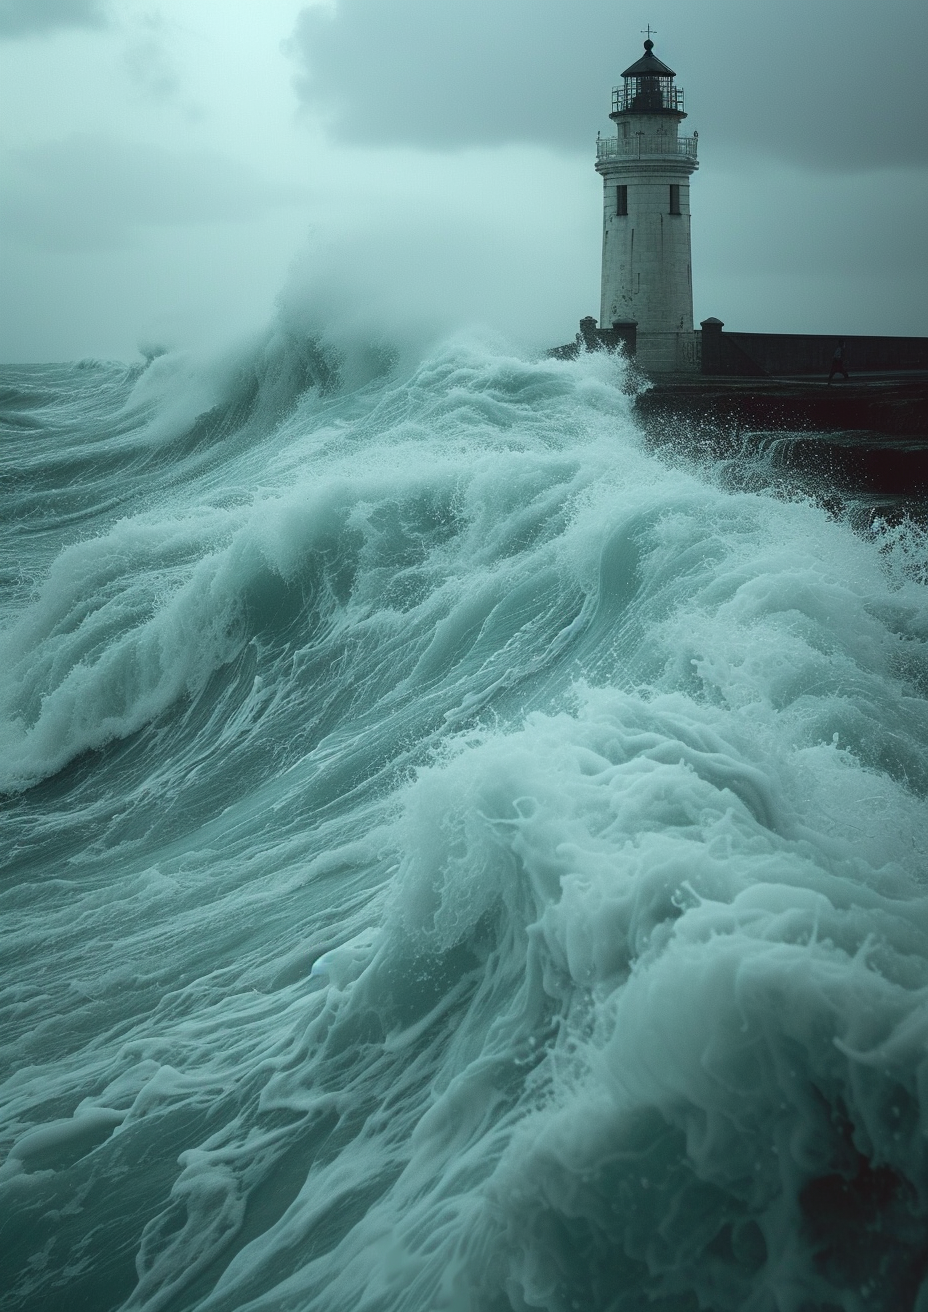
x=453, y=858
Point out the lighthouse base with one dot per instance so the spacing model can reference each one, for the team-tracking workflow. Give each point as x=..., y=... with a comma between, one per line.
x=669, y=353
x=656, y=353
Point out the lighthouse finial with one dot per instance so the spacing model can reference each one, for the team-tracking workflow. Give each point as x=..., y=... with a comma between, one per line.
x=649, y=44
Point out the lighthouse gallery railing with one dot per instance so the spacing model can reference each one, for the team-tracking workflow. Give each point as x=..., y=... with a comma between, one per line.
x=638, y=145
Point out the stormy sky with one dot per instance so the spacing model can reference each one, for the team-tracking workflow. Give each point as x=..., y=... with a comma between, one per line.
x=180, y=172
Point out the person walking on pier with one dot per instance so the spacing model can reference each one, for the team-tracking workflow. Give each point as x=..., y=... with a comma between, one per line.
x=838, y=363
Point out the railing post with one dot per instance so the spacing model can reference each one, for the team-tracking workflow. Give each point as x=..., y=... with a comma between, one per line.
x=587, y=335
x=712, y=345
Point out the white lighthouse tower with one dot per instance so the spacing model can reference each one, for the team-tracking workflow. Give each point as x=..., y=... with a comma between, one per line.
x=646, y=167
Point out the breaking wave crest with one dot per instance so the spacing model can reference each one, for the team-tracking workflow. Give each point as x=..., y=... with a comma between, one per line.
x=456, y=858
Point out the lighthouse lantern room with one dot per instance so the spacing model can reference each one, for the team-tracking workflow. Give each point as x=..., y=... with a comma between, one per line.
x=646, y=168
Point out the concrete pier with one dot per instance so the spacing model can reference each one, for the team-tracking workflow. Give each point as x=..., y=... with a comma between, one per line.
x=865, y=437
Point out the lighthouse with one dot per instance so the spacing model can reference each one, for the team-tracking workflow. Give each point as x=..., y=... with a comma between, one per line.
x=646, y=168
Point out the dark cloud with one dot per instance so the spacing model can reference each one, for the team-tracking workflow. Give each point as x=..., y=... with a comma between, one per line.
x=837, y=84
x=95, y=193
x=39, y=17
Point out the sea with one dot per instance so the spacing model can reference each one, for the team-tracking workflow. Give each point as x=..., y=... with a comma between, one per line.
x=455, y=855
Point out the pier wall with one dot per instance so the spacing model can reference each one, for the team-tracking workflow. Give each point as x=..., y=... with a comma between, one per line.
x=747, y=355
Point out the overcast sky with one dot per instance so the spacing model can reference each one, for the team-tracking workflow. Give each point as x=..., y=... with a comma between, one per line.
x=181, y=171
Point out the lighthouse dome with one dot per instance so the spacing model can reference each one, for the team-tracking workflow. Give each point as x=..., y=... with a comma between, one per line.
x=649, y=65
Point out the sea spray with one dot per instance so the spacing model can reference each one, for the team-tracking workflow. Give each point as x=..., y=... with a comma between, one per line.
x=455, y=858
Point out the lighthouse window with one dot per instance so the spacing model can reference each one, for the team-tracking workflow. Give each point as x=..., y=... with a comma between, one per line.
x=621, y=200
x=674, y=198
